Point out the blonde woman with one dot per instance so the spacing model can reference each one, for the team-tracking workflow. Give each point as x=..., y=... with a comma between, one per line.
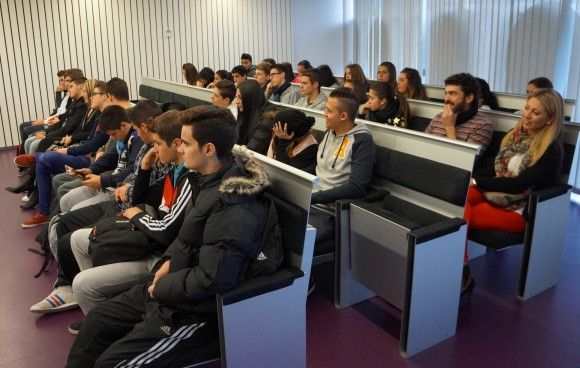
x=530, y=158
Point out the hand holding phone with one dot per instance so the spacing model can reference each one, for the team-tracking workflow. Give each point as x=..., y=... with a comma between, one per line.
x=69, y=170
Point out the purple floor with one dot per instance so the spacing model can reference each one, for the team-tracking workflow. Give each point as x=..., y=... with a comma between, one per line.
x=494, y=329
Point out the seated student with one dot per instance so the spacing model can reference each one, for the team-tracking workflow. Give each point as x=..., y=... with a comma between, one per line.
x=293, y=142
x=327, y=77
x=224, y=95
x=280, y=85
x=537, y=83
x=254, y=120
x=530, y=158
x=180, y=301
x=386, y=72
x=53, y=162
x=206, y=76
x=117, y=270
x=345, y=160
x=190, y=75
x=246, y=62
x=97, y=186
x=359, y=90
x=487, y=100
x=385, y=107
x=220, y=75
x=410, y=85
x=310, y=89
x=301, y=67
x=354, y=73
x=151, y=232
x=460, y=119
x=28, y=128
x=239, y=74
x=262, y=76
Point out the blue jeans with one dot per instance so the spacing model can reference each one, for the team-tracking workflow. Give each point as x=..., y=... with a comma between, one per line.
x=52, y=163
x=27, y=129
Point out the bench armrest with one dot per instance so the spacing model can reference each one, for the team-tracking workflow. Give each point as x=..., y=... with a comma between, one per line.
x=439, y=229
x=550, y=192
x=374, y=196
x=261, y=285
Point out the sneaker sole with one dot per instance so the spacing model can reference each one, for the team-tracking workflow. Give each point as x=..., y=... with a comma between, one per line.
x=61, y=308
x=73, y=332
x=29, y=226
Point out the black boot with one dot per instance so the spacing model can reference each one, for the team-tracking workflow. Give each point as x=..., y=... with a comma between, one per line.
x=26, y=185
x=32, y=200
x=467, y=282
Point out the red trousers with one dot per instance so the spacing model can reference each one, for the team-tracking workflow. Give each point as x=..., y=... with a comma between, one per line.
x=480, y=214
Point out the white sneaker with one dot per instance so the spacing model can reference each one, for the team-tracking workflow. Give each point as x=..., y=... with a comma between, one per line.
x=61, y=299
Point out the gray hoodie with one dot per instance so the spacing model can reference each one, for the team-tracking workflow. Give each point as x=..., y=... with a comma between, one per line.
x=319, y=104
x=344, y=165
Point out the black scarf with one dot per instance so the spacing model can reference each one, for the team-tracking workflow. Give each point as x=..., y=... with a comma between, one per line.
x=277, y=93
x=465, y=116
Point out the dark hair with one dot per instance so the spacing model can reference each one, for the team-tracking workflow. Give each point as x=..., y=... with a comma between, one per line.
x=347, y=101
x=167, y=126
x=61, y=73
x=253, y=102
x=100, y=85
x=392, y=73
x=117, y=88
x=306, y=64
x=487, y=96
x=239, y=69
x=297, y=123
x=215, y=125
x=359, y=90
x=542, y=82
x=246, y=57
x=288, y=70
x=269, y=61
x=206, y=75
x=468, y=84
x=416, y=88
x=112, y=117
x=173, y=105
x=226, y=89
x=314, y=75
x=79, y=80
x=357, y=75
x=385, y=90
x=73, y=73
x=143, y=113
x=191, y=75
x=224, y=75
x=327, y=77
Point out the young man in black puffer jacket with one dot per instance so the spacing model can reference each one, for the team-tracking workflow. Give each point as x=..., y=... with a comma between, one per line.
x=173, y=320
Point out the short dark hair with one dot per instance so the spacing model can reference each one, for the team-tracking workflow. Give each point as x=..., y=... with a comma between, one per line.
x=101, y=85
x=61, y=73
x=224, y=74
x=73, y=73
x=79, y=80
x=226, y=89
x=117, y=88
x=468, y=83
x=542, y=82
x=347, y=101
x=265, y=67
x=206, y=74
x=246, y=57
x=112, y=117
x=283, y=67
x=172, y=105
x=168, y=126
x=306, y=64
x=215, y=125
x=239, y=69
x=143, y=113
x=269, y=61
x=314, y=75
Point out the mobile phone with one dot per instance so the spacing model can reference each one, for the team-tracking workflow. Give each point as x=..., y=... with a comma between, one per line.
x=69, y=170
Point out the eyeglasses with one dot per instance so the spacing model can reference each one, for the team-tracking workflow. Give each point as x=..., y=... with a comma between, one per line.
x=275, y=73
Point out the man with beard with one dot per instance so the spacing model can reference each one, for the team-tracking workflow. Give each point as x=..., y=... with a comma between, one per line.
x=459, y=119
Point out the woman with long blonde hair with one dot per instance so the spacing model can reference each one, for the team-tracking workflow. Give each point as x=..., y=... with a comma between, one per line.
x=529, y=158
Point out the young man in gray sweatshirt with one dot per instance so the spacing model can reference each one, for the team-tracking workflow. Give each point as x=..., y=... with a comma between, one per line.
x=345, y=161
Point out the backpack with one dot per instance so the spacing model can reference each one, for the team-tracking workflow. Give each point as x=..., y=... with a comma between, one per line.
x=270, y=254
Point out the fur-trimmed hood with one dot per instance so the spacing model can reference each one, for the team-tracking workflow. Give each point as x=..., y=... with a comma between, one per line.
x=250, y=178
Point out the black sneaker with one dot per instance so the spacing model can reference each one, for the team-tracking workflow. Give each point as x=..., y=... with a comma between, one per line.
x=75, y=327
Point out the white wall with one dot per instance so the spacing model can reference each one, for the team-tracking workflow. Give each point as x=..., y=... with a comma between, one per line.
x=318, y=33
x=125, y=38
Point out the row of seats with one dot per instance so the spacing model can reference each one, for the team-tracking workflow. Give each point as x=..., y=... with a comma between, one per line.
x=420, y=185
